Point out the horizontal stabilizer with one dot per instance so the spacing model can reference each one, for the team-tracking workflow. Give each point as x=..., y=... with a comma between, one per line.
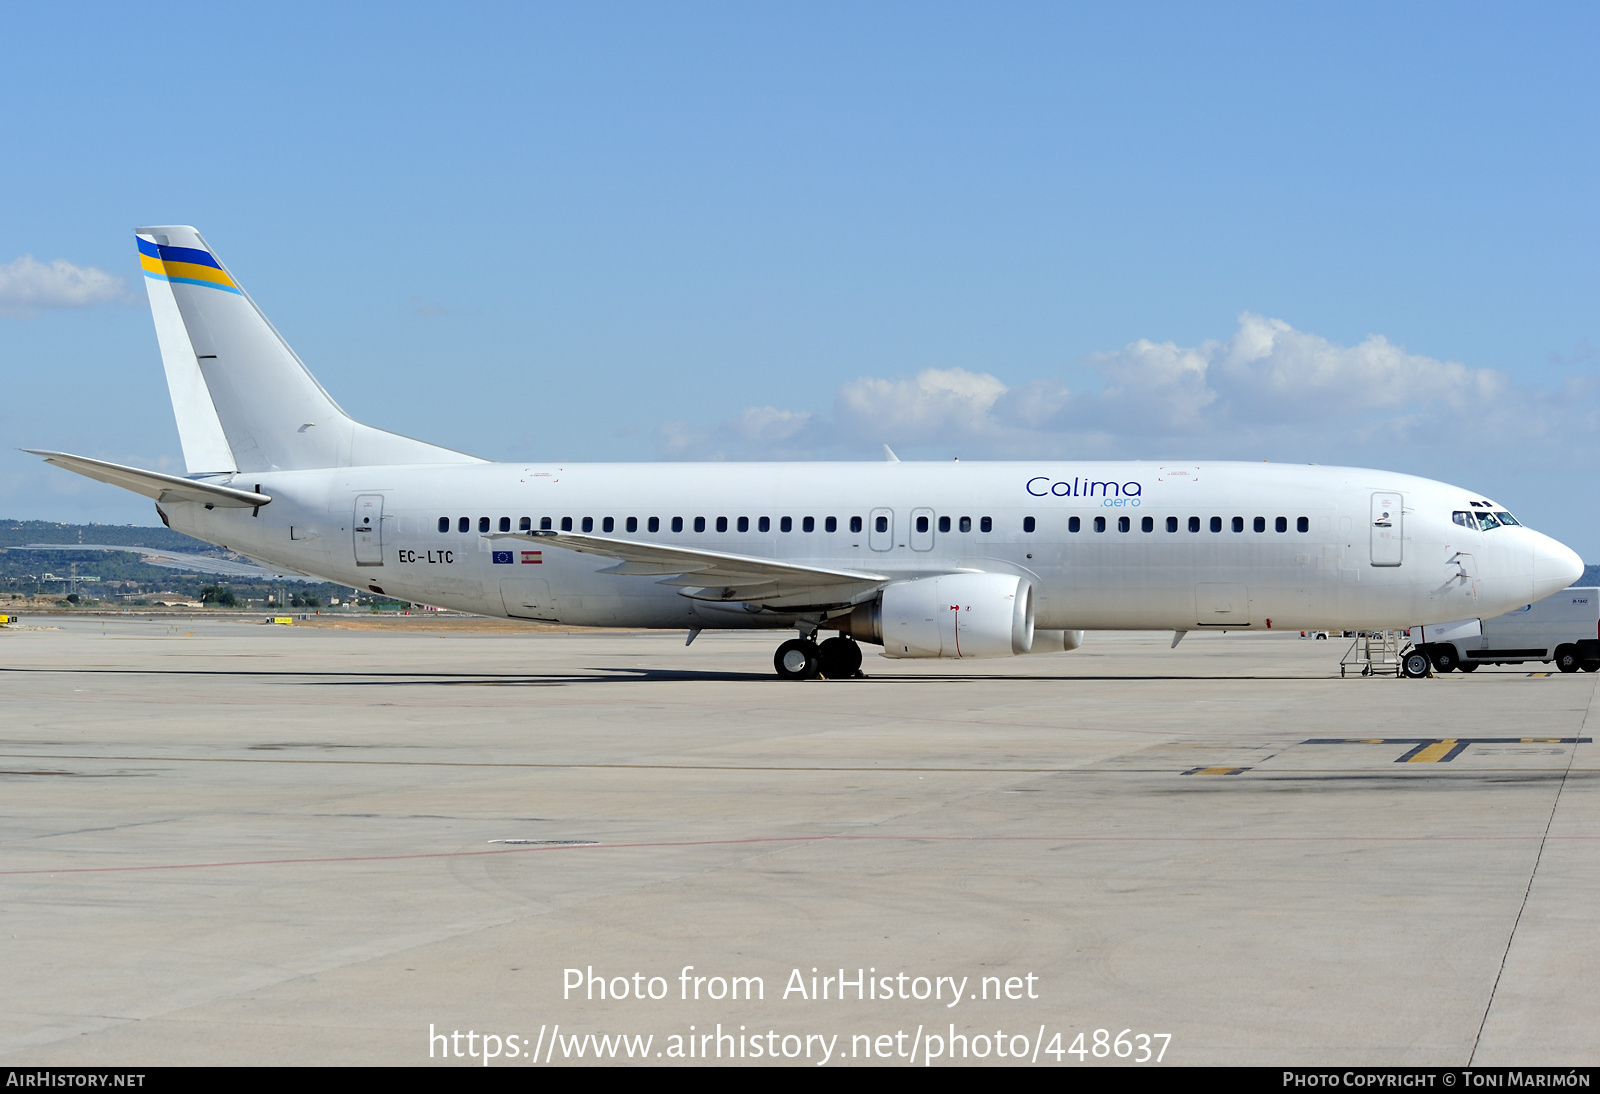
x=153, y=484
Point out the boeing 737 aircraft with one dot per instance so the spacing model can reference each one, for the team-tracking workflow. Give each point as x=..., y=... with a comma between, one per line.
x=923, y=559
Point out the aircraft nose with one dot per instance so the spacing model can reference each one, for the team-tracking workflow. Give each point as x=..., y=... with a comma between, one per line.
x=1555, y=566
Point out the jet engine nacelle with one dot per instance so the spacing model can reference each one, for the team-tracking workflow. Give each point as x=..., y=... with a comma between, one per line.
x=955, y=615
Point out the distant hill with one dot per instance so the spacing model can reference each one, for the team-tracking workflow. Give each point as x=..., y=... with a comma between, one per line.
x=1591, y=576
x=15, y=533
x=111, y=577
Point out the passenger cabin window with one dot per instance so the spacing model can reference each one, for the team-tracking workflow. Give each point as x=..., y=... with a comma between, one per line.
x=944, y=524
x=699, y=524
x=544, y=524
x=831, y=524
x=633, y=524
x=722, y=524
x=444, y=524
x=966, y=524
x=881, y=524
x=855, y=524
x=764, y=524
x=465, y=524
x=677, y=524
x=1302, y=524
x=744, y=524
x=654, y=524
x=1099, y=524
x=1027, y=524
x=786, y=524
x=1260, y=524
x=1073, y=524
x=608, y=525
x=1281, y=524
x=1238, y=524
x=483, y=524
x=922, y=524
x=1172, y=524
x=1194, y=524
x=505, y=524
x=566, y=524
x=1148, y=524
x=1122, y=524
x=1216, y=524
x=985, y=524
x=808, y=524
x=588, y=524
x=525, y=524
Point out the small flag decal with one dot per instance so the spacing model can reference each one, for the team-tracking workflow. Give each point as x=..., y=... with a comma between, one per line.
x=532, y=558
x=502, y=558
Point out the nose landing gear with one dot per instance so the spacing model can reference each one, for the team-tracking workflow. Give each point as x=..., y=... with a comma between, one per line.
x=801, y=659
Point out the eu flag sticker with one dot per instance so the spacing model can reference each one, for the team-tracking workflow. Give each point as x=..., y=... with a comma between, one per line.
x=502, y=558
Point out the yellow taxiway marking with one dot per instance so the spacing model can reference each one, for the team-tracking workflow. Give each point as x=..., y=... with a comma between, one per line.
x=1433, y=753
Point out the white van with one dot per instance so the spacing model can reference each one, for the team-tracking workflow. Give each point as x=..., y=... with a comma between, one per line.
x=1564, y=628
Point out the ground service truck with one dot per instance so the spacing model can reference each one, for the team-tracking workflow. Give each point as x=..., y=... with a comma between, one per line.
x=1564, y=628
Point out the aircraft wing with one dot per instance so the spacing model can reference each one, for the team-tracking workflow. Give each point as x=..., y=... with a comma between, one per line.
x=717, y=575
x=154, y=484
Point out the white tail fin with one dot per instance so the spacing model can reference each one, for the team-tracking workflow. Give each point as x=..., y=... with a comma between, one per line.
x=243, y=400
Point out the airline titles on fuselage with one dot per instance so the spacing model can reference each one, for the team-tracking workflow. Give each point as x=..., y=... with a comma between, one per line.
x=1111, y=493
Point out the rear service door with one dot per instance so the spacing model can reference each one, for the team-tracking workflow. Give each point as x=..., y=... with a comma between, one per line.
x=1387, y=529
x=368, y=530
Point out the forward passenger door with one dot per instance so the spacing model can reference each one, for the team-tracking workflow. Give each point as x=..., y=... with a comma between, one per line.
x=1388, y=529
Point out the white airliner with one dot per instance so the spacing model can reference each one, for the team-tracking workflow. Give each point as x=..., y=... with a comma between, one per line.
x=925, y=559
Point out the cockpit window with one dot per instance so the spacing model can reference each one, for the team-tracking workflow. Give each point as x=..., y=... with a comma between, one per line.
x=1486, y=521
x=1464, y=519
x=1507, y=518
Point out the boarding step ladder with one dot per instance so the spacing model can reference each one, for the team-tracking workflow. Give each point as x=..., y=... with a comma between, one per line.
x=1375, y=653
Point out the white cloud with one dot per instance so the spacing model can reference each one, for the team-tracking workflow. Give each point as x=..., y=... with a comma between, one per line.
x=769, y=425
x=28, y=286
x=918, y=410
x=1268, y=390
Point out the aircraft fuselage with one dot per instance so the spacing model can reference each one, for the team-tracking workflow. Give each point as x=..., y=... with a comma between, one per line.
x=1125, y=545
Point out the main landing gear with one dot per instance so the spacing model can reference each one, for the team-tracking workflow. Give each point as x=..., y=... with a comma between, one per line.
x=803, y=658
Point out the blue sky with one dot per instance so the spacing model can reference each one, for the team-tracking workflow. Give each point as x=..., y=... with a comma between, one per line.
x=1341, y=234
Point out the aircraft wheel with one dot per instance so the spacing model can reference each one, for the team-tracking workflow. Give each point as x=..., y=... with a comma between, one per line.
x=1415, y=664
x=1468, y=666
x=796, y=659
x=1567, y=659
x=1445, y=659
x=838, y=658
